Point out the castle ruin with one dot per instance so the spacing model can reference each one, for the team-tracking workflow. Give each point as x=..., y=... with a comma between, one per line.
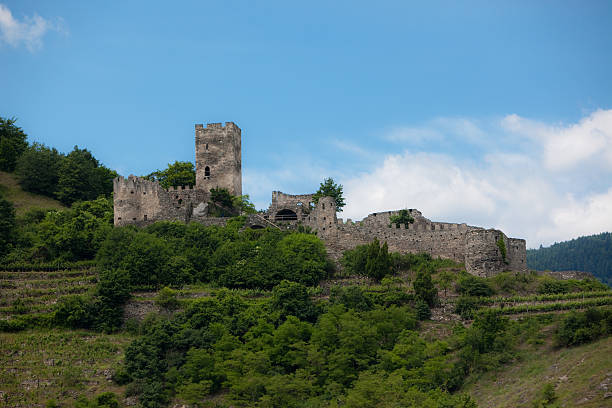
x=137, y=201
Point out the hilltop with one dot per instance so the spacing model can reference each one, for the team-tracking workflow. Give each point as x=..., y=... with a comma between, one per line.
x=591, y=253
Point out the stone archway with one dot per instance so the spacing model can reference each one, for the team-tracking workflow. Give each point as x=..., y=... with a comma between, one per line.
x=285, y=215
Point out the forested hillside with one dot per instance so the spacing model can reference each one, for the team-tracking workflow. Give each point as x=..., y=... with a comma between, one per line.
x=590, y=254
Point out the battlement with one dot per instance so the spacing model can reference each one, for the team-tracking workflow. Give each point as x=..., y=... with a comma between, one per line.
x=219, y=125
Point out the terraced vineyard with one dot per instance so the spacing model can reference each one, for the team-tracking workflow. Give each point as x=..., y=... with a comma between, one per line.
x=521, y=305
x=34, y=291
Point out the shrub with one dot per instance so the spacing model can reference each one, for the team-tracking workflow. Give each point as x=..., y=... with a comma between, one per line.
x=352, y=297
x=371, y=260
x=167, y=299
x=465, y=306
x=471, y=285
x=292, y=299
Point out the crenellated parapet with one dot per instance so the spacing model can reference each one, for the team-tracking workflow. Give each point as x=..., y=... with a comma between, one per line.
x=139, y=201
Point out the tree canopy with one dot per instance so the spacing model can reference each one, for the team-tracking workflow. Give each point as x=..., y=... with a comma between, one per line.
x=12, y=144
x=82, y=177
x=175, y=175
x=329, y=188
x=38, y=169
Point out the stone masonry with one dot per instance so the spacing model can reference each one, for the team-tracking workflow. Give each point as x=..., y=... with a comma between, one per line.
x=218, y=164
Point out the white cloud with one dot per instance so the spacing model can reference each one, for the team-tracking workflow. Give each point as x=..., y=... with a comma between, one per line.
x=28, y=32
x=567, y=147
x=534, y=186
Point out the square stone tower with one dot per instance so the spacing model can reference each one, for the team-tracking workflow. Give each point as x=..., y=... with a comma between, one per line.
x=219, y=157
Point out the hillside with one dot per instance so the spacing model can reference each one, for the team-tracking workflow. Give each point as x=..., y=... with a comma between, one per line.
x=23, y=200
x=590, y=254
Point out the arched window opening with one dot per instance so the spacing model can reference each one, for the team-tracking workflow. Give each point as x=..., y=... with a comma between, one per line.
x=180, y=201
x=285, y=215
x=145, y=217
x=207, y=172
x=206, y=146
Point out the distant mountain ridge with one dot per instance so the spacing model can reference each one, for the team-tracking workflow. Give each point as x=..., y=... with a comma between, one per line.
x=591, y=253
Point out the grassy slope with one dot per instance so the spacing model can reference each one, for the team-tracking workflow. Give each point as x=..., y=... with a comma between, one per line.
x=38, y=365
x=22, y=200
x=580, y=375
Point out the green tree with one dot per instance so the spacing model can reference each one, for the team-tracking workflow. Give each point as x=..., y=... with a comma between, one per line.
x=424, y=287
x=77, y=233
x=445, y=279
x=329, y=188
x=38, y=169
x=7, y=225
x=292, y=299
x=378, y=262
x=175, y=175
x=221, y=203
x=81, y=177
x=403, y=217
x=12, y=144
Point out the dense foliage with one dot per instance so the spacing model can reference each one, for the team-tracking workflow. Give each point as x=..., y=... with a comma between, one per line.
x=584, y=327
x=258, y=355
x=12, y=144
x=328, y=188
x=7, y=225
x=590, y=254
x=69, y=235
x=38, y=169
x=82, y=177
x=372, y=260
x=175, y=175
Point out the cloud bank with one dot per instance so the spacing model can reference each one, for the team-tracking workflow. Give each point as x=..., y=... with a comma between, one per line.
x=534, y=180
x=28, y=32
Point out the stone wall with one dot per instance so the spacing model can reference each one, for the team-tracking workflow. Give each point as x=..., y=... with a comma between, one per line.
x=475, y=247
x=138, y=201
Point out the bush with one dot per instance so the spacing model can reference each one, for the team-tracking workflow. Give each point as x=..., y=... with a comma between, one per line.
x=466, y=306
x=167, y=299
x=352, y=297
x=471, y=285
x=372, y=260
x=583, y=327
x=292, y=299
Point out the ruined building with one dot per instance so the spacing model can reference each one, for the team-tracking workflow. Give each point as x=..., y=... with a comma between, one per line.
x=485, y=252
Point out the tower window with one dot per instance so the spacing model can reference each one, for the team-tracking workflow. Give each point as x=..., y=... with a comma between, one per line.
x=206, y=146
x=145, y=217
x=207, y=171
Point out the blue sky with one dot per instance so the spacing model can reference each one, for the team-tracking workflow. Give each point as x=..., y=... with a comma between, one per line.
x=494, y=113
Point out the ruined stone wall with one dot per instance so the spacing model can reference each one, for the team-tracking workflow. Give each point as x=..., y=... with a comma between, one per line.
x=219, y=157
x=138, y=201
x=298, y=203
x=475, y=247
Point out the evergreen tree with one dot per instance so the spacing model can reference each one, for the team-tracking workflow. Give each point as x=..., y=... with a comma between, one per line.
x=378, y=263
x=12, y=144
x=424, y=287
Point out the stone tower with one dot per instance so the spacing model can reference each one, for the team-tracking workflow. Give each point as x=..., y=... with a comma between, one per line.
x=218, y=157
